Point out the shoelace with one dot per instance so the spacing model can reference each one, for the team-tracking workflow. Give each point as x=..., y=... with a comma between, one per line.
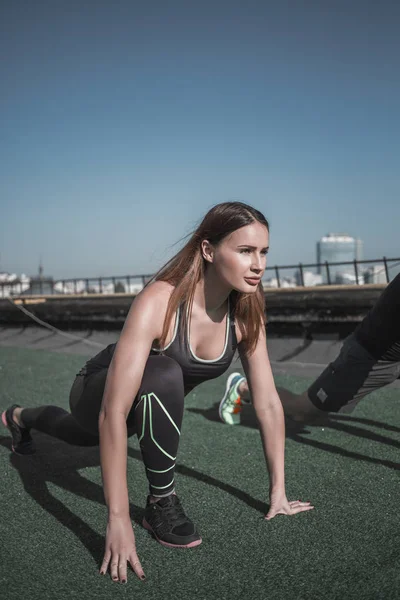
x=174, y=514
x=233, y=398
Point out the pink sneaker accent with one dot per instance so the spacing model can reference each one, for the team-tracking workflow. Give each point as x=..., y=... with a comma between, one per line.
x=191, y=545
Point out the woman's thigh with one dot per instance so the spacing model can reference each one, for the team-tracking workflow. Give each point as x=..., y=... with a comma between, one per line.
x=162, y=376
x=85, y=399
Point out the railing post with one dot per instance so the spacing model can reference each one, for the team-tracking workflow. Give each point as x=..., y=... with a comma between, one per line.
x=113, y=282
x=277, y=276
x=128, y=281
x=356, y=271
x=75, y=287
x=143, y=280
x=386, y=269
x=301, y=274
x=328, y=273
x=87, y=285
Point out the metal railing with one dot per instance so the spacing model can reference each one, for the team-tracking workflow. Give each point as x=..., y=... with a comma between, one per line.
x=330, y=277
x=131, y=284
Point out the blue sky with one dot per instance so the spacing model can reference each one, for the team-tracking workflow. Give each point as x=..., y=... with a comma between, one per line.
x=123, y=122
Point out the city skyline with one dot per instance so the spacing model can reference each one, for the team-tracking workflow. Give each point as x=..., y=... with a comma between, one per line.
x=319, y=258
x=331, y=254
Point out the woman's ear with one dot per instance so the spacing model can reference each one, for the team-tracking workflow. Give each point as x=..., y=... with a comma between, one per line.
x=207, y=251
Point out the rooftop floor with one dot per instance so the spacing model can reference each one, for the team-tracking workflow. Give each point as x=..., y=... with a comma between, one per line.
x=54, y=515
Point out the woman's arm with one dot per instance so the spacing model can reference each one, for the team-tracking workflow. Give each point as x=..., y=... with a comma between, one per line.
x=268, y=409
x=142, y=326
x=270, y=416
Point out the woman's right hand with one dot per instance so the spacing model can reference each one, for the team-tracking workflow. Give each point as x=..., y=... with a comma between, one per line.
x=120, y=549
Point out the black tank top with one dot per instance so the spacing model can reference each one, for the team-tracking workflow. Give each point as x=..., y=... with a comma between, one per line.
x=195, y=370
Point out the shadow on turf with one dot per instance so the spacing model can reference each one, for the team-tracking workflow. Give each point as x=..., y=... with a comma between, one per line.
x=56, y=338
x=297, y=351
x=58, y=463
x=61, y=343
x=14, y=333
x=299, y=432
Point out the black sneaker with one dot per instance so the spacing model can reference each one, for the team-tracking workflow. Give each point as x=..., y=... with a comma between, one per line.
x=22, y=443
x=170, y=526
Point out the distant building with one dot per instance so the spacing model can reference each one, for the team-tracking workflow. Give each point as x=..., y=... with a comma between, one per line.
x=348, y=279
x=309, y=278
x=339, y=248
x=40, y=285
x=375, y=274
x=284, y=282
x=12, y=285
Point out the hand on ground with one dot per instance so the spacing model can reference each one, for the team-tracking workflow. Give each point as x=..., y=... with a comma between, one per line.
x=120, y=549
x=281, y=506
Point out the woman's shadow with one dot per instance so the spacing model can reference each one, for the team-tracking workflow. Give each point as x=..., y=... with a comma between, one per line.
x=59, y=463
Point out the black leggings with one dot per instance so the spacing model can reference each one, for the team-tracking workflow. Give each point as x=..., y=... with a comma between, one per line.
x=155, y=416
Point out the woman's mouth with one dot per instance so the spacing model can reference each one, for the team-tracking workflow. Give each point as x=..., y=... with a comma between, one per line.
x=252, y=280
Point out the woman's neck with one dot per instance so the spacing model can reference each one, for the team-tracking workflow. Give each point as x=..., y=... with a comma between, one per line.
x=210, y=294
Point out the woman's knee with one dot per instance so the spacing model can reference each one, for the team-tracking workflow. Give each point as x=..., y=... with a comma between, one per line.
x=162, y=375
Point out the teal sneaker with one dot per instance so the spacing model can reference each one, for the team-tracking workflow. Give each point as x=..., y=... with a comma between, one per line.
x=231, y=403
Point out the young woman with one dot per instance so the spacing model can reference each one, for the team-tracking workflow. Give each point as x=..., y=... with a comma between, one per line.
x=181, y=330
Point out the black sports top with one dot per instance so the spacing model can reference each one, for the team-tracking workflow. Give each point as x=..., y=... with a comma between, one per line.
x=195, y=370
x=379, y=332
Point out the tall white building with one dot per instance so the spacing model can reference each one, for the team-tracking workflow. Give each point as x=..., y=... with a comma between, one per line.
x=339, y=248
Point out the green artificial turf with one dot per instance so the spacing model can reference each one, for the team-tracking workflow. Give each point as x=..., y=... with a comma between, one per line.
x=53, y=515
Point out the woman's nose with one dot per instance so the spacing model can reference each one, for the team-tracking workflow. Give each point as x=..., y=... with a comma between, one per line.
x=257, y=263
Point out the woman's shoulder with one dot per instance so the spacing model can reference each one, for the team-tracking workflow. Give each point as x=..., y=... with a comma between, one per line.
x=148, y=309
x=156, y=293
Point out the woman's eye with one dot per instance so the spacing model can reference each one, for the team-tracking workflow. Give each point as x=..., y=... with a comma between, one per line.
x=248, y=251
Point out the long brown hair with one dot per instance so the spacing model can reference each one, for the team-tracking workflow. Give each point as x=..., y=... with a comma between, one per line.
x=187, y=267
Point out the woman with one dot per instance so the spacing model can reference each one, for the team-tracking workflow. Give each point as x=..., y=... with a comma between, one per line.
x=181, y=330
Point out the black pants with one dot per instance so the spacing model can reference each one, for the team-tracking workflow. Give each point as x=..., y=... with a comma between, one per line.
x=155, y=416
x=351, y=376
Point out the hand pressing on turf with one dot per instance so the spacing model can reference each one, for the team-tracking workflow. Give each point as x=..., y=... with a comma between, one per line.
x=120, y=549
x=279, y=505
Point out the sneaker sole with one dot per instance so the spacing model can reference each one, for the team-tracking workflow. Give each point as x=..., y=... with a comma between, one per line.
x=4, y=421
x=227, y=387
x=147, y=526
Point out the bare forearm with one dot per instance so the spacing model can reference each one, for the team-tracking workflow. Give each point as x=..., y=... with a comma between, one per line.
x=272, y=429
x=113, y=457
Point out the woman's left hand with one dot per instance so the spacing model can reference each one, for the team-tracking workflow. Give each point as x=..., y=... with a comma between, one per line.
x=279, y=505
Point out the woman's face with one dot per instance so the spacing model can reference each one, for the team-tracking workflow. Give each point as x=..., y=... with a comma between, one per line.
x=240, y=259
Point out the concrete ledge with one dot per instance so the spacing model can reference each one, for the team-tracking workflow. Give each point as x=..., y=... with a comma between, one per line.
x=299, y=308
